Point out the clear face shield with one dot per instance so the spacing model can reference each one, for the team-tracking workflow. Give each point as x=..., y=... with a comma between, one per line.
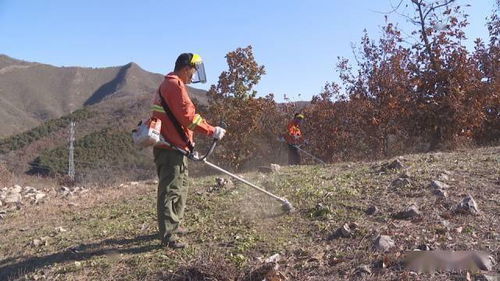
x=199, y=75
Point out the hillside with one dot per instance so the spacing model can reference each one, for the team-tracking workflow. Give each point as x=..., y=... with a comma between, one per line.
x=341, y=209
x=32, y=93
x=37, y=102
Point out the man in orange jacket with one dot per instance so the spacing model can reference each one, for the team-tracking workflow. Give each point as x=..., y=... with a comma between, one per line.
x=294, y=138
x=171, y=165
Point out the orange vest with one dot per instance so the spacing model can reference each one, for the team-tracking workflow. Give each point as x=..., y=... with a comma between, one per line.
x=176, y=96
x=294, y=135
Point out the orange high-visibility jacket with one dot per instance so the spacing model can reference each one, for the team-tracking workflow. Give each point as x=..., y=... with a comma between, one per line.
x=294, y=135
x=176, y=96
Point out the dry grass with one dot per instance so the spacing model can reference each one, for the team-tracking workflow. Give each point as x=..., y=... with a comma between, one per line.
x=111, y=232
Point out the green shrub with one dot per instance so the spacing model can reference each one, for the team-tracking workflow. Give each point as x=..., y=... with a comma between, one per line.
x=23, y=139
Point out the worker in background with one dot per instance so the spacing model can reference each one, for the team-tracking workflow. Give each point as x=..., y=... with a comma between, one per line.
x=178, y=126
x=294, y=138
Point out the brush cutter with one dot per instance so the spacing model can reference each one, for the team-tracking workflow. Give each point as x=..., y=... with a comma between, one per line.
x=286, y=205
x=310, y=155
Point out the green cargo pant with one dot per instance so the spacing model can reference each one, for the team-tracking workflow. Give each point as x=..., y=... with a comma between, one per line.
x=293, y=155
x=171, y=167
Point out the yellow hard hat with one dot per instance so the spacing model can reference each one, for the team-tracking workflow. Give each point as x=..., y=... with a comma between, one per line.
x=200, y=74
x=196, y=59
x=193, y=60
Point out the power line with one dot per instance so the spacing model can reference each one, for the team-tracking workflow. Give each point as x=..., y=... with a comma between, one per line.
x=71, y=160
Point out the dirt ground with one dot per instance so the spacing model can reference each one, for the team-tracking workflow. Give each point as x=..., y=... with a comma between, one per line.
x=237, y=233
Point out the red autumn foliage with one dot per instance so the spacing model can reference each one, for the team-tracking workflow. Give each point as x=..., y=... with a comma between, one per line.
x=397, y=97
x=430, y=95
x=251, y=122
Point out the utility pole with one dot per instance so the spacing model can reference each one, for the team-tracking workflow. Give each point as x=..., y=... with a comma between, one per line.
x=71, y=160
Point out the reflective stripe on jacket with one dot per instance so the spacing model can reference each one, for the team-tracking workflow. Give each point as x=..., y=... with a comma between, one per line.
x=176, y=96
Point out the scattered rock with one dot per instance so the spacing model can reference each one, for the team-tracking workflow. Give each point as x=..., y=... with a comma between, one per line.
x=77, y=190
x=372, y=210
x=36, y=242
x=383, y=243
x=440, y=193
x=446, y=172
x=42, y=241
x=401, y=182
x=16, y=189
x=39, y=196
x=65, y=191
x=467, y=206
x=221, y=183
x=409, y=213
x=13, y=197
x=380, y=264
x=363, y=270
x=424, y=247
x=275, y=168
x=395, y=165
x=345, y=231
x=60, y=229
x=444, y=177
x=134, y=183
x=439, y=185
x=273, y=259
x=353, y=226
x=267, y=271
x=29, y=189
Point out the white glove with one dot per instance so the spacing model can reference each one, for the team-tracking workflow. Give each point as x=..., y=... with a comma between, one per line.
x=219, y=133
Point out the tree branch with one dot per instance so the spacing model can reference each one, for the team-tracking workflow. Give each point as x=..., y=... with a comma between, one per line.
x=424, y=34
x=432, y=8
x=394, y=9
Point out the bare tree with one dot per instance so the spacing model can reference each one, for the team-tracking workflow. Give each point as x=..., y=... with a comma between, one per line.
x=424, y=11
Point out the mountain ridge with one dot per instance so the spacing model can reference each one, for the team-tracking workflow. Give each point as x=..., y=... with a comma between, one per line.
x=32, y=93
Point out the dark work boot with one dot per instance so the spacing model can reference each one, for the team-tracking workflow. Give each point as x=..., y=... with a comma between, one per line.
x=173, y=242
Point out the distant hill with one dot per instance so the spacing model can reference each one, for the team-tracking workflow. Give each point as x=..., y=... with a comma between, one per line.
x=37, y=102
x=32, y=93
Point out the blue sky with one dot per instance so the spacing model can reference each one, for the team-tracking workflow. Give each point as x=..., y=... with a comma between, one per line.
x=297, y=41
